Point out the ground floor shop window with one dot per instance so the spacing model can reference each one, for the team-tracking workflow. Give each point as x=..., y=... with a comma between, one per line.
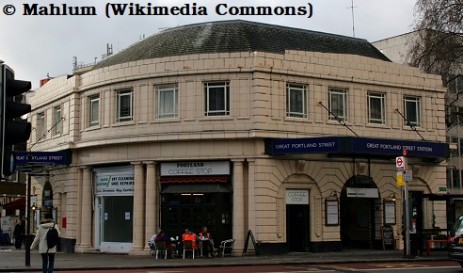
x=180, y=211
x=117, y=219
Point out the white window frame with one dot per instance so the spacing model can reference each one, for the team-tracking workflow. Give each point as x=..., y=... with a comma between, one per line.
x=41, y=126
x=408, y=102
x=339, y=94
x=57, y=122
x=373, y=98
x=296, y=100
x=222, y=108
x=94, y=114
x=122, y=114
x=167, y=108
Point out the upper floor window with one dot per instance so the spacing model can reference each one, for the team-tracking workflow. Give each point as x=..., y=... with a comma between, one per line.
x=167, y=101
x=124, y=105
x=296, y=100
x=455, y=84
x=94, y=110
x=376, y=108
x=412, y=110
x=338, y=104
x=57, y=122
x=217, y=98
x=41, y=126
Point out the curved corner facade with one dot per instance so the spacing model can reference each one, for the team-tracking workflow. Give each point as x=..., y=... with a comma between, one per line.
x=298, y=147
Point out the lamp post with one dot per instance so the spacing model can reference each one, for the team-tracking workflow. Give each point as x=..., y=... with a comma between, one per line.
x=28, y=237
x=406, y=208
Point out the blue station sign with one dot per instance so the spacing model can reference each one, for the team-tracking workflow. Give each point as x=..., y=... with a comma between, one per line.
x=346, y=146
x=395, y=147
x=51, y=158
x=303, y=145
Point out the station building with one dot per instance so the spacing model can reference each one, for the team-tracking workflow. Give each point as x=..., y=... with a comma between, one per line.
x=240, y=126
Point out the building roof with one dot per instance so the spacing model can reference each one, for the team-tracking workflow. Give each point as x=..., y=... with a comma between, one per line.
x=239, y=36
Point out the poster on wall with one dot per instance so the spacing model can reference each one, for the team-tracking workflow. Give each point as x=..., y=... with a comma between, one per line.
x=332, y=212
x=389, y=213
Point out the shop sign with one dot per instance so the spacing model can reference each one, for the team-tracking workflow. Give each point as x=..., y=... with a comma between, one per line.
x=297, y=197
x=195, y=168
x=362, y=192
x=115, y=185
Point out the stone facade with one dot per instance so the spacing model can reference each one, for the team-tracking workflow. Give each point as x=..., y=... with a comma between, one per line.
x=257, y=83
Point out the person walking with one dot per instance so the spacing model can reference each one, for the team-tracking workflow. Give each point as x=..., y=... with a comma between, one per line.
x=40, y=240
x=18, y=233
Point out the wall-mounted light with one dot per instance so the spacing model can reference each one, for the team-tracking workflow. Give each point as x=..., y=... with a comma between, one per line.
x=333, y=195
x=392, y=197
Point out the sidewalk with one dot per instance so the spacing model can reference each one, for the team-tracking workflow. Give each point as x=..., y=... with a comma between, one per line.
x=14, y=260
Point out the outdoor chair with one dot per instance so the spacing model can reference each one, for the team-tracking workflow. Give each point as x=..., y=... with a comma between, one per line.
x=152, y=248
x=161, y=247
x=226, y=246
x=188, y=246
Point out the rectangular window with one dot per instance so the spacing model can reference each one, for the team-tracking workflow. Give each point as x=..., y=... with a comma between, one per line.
x=376, y=108
x=57, y=122
x=167, y=101
x=455, y=84
x=94, y=110
x=217, y=98
x=296, y=101
x=41, y=126
x=124, y=106
x=412, y=110
x=338, y=104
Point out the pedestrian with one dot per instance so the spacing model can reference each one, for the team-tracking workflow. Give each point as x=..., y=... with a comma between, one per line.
x=18, y=234
x=40, y=240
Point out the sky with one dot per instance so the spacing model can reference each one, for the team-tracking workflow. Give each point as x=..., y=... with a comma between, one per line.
x=39, y=45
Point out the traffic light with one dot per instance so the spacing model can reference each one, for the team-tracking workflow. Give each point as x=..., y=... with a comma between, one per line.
x=13, y=129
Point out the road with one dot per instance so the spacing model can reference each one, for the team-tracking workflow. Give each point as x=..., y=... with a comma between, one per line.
x=410, y=267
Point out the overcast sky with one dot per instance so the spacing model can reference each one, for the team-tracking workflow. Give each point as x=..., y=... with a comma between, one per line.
x=39, y=45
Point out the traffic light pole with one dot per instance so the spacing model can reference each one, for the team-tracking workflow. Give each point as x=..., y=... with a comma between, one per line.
x=28, y=238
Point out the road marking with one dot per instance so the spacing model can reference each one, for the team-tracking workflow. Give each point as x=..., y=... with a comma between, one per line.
x=164, y=271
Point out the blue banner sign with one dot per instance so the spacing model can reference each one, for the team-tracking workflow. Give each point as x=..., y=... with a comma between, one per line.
x=346, y=146
x=302, y=145
x=56, y=158
x=396, y=147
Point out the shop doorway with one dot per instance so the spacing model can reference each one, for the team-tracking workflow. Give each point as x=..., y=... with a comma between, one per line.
x=213, y=210
x=358, y=220
x=298, y=228
x=115, y=211
x=416, y=222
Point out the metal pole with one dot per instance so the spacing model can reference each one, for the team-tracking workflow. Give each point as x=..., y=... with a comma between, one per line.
x=27, y=240
x=459, y=153
x=407, y=220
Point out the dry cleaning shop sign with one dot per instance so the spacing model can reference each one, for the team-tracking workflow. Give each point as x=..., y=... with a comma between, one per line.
x=114, y=185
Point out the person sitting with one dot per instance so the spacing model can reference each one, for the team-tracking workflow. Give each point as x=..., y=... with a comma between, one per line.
x=206, y=243
x=151, y=243
x=188, y=235
x=162, y=236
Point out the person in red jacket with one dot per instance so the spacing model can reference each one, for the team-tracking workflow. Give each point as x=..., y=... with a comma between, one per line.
x=189, y=236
